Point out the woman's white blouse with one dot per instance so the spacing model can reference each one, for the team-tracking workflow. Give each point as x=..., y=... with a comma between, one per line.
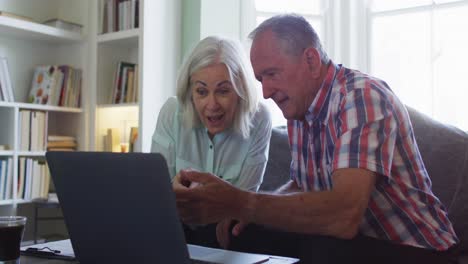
x=229, y=156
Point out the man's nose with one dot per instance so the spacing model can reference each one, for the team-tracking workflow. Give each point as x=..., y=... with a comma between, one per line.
x=266, y=89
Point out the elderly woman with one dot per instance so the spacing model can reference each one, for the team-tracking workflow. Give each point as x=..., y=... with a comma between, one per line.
x=216, y=123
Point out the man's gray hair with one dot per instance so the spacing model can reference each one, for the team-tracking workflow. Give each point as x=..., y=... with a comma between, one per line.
x=294, y=33
x=210, y=51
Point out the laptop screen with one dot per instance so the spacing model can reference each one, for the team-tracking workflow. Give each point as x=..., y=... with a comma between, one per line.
x=118, y=207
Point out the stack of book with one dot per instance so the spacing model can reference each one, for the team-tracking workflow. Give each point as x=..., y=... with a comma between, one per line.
x=125, y=88
x=56, y=85
x=117, y=15
x=61, y=143
x=6, y=89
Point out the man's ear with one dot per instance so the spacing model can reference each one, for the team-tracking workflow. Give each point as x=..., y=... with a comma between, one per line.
x=313, y=61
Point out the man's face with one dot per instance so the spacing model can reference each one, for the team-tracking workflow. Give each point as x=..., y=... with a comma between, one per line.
x=285, y=79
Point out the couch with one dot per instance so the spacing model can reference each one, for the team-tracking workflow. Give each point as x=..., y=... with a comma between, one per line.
x=444, y=150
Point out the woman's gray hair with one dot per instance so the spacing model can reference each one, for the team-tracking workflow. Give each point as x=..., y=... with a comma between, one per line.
x=210, y=51
x=294, y=33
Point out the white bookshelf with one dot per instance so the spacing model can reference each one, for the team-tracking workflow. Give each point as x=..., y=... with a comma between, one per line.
x=28, y=44
x=155, y=47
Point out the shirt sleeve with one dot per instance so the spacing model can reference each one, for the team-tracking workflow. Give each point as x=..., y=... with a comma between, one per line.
x=252, y=171
x=367, y=130
x=163, y=140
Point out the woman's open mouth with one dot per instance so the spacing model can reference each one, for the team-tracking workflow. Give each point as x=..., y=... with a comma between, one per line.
x=215, y=120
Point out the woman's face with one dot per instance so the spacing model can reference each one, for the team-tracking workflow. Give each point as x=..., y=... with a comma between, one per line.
x=214, y=98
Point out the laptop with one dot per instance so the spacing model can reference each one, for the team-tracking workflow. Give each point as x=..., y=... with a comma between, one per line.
x=120, y=208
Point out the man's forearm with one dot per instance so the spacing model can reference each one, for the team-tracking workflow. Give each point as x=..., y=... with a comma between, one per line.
x=292, y=213
x=337, y=212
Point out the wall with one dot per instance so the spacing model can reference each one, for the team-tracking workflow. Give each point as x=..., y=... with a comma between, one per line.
x=32, y=9
x=161, y=45
x=202, y=18
x=190, y=24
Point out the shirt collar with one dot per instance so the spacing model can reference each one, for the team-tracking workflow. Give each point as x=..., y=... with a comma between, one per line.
x=318, y=109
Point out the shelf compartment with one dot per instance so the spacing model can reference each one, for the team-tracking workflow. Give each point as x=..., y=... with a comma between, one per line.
x=109, y=56
x=122, y=118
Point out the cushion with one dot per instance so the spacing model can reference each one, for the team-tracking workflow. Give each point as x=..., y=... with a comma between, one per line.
x=279, y=160
x=444, y=150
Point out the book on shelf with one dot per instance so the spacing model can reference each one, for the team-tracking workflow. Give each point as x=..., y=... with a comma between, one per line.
x=6, y=89
x=6, y=178
x=33, y=179
x=44, y=81
x=133, y=136
x=58, y=85
x=61, y=149
x=61, y=143
x=117, y=15
x=60, y=138
x=24, y=128
x=15, y=16
x=32, y=130
x=63, y=24
x=112, y=140
x=37, y=131
x=125, y=83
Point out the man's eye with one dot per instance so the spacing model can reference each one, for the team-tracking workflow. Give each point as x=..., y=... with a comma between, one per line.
x=271, y=74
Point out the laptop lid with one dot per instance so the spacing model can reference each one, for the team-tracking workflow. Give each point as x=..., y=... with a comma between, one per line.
x=118, y=207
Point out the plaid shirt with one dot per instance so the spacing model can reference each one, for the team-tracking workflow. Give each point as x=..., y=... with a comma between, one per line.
x=356, y=121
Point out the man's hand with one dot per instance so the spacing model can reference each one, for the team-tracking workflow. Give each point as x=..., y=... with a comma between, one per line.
x=177, y=183
x=209, y=202
x=181, y=183
x=223, y=230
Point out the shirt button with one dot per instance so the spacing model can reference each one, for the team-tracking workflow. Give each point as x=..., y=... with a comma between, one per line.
x=211, y=146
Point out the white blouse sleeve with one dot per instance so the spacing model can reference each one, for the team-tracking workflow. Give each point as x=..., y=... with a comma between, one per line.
x=163, y=140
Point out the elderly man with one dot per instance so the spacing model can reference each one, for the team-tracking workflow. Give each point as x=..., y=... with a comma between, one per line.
x=359, y=190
